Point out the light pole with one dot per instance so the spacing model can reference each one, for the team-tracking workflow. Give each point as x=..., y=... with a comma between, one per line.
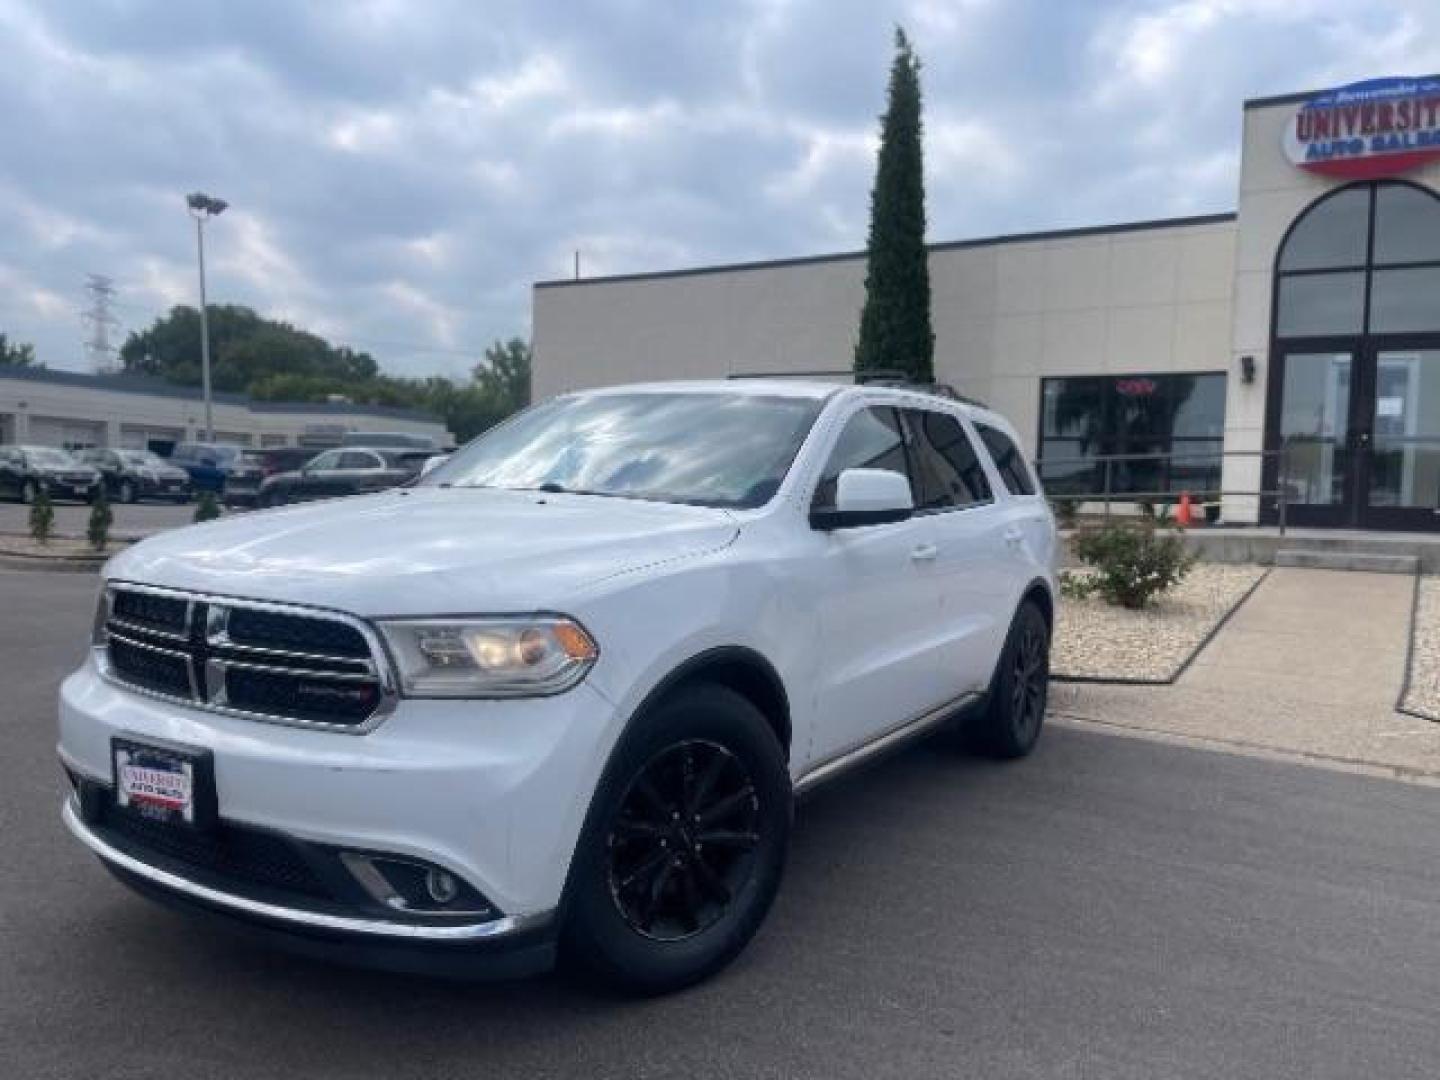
x=204, y=206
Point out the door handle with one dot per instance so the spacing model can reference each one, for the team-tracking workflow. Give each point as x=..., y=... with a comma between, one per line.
x=924, y=553
x=1014, y=536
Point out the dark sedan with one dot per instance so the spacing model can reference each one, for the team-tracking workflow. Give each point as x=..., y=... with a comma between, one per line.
x=132, y=475
x=25, y=471
x=344, y=471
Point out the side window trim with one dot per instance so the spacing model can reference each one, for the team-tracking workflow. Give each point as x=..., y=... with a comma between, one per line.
x=910, y=435
x=900, y=426
x=1026, y=470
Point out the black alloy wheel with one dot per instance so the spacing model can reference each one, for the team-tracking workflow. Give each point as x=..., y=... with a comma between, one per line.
x=684, y=844
x=1030, y=680
x=1010, y=723
x=681, y=844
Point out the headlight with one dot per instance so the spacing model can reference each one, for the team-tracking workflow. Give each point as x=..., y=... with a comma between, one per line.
x=519, y=656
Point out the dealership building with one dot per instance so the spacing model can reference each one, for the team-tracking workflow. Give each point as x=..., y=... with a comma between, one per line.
x=41, y=407
x=1292, y=346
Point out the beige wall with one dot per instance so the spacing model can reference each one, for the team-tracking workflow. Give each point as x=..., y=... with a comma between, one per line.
x=1005, y=314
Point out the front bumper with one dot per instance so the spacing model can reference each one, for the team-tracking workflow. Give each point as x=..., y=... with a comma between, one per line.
x=511, y=945
x=494, y=792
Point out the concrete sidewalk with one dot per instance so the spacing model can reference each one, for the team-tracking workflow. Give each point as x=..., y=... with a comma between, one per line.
x=1310, y=665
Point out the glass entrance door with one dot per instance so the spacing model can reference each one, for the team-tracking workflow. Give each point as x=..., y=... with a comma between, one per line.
x=1316, y=479
x=1402, y=412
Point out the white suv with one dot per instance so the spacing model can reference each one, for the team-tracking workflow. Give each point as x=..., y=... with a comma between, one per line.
x=562, y=692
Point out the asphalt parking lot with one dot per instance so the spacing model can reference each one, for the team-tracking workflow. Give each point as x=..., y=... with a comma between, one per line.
x=1108, y=908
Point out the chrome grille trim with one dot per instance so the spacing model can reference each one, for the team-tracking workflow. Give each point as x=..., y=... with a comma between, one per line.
x=207, y=673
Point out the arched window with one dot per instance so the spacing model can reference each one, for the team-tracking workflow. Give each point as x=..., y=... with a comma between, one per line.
x=1365, y=259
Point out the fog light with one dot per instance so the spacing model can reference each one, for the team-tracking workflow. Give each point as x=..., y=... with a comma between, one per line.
x=441, y=887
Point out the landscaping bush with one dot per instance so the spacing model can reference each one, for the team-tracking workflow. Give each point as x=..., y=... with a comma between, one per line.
x=208, y=508
x=42, y=516
x=1131, y=564
x=1066, y=511
x=101, y=518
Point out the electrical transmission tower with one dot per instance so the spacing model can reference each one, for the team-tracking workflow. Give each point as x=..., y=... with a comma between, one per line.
x=100, y=322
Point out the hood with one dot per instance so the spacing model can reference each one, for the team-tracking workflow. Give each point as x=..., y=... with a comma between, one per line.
x=425, y=551
x=67, y=470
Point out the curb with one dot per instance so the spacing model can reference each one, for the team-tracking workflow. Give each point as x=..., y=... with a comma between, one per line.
x=1184, y=665
x=1405, y=683
x=64, y=564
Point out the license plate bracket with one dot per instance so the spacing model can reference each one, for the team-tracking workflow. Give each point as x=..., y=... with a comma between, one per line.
x=162, y=781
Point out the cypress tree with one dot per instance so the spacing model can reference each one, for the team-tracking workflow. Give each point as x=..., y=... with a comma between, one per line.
x=895, y=327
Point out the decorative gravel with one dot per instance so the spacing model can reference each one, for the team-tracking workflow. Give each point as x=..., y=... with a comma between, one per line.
x=1423, y=694
x=1095, y=640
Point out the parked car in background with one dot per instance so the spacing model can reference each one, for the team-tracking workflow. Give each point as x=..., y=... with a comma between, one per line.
x=564, y=690
x=342, y=471
x=280, y=459
x=399, y=440
x=132, y=475
x=25, y=471
x=223, y=468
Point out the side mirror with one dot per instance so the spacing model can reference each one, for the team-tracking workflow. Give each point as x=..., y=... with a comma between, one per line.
x=432, y=463
x=866, y=497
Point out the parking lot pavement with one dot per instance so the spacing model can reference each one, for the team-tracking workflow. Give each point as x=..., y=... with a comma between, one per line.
x=1110, y=908
x=132, y=520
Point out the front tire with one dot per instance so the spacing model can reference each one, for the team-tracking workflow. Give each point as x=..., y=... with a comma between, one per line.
x=684, y=846
x=1012, y=718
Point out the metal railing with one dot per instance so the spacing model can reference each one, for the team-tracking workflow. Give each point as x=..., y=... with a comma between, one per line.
x=1108, y=496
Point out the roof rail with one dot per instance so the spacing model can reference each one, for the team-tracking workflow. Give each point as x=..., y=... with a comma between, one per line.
x=836, y=373
x=889, y=377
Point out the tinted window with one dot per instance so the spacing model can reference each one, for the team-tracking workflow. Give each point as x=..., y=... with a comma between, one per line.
x=1334, y=233
x=1165, y=432
x=1008, y=462
x=706, y=449
x=355, y=459
x=330, y=459
x=870, y=440
x=948, y=472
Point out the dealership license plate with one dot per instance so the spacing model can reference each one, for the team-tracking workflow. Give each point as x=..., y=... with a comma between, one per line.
x=160, y=783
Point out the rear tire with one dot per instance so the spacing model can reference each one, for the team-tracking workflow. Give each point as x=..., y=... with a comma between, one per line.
x=684, y=845
x=1009, y=725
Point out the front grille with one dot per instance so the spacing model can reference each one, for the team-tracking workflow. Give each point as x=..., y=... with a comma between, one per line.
x=227, y=855
x=266, y=661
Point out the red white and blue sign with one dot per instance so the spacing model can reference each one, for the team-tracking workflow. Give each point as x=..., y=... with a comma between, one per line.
x=1368, y=129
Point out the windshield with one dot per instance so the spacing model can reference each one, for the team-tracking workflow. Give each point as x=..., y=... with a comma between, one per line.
x=706, y=449
x=53, y=458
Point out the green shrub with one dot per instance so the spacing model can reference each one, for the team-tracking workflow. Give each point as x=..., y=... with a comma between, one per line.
x=42, y=516
x=1075, y=586
x=1132, y=564
x=101, y=518
x=1066, y=511
x=208, y=508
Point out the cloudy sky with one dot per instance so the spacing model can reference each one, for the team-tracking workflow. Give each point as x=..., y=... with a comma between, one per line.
x=401, y=171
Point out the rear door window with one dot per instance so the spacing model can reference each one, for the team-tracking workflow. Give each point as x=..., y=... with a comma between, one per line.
x=1009, y=462
x=948, y=473
x=871, y=439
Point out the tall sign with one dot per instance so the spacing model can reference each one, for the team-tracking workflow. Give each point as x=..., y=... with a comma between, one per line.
x=1368, y=129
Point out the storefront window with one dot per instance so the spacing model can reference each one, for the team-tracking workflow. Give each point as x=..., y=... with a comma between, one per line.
x=1163, y=434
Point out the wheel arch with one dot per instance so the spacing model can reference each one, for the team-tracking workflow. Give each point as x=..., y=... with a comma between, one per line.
x=738, y=668
x=1038, y=592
